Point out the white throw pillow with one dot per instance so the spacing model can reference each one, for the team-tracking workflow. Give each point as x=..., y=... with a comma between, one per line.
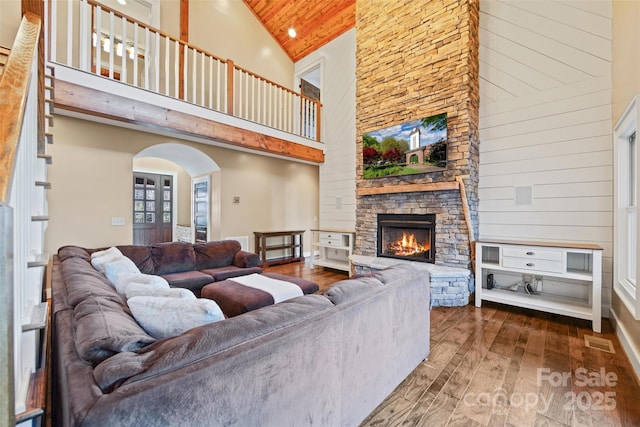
x=111, y=251
x=163, y=317
x=100, y=261
x=121, y=265
x=124, y=278
x=134, y=289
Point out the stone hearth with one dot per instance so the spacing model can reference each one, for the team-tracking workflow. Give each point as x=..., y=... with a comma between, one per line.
x=449, y=286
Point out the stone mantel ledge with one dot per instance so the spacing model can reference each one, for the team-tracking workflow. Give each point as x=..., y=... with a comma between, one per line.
x=436, y=271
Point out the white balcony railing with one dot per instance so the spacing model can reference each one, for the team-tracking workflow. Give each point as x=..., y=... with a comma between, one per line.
x=92, y=37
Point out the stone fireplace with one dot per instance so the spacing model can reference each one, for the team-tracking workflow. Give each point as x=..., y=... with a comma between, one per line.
x=424, y=65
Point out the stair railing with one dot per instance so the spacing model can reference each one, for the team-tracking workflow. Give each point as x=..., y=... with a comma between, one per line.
x=20, y=286
x=92, y=37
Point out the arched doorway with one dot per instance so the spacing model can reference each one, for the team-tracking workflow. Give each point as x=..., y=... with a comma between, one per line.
x=162, y=201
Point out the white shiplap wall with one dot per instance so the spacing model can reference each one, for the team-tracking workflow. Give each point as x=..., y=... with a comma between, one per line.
x=338, y=95
x=545, y=123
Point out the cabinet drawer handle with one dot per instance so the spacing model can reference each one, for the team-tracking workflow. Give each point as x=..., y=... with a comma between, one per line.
x=530, y=264
x=531, y=253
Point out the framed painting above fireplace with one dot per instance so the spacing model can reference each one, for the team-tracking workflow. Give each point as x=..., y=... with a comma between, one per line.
x=418, y=146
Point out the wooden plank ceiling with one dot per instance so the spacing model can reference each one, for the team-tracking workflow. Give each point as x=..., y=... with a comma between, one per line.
x=316, y=22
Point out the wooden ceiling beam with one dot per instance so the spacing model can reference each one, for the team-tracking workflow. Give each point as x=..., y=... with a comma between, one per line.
x=72, y=97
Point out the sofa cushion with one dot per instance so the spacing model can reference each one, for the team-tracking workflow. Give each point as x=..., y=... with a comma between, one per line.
x=246, y=259
x=224, y=273
x=120, y=266
x=173, y=257
x=104, y=327
x=112, y=251
x=124, y=279
x=215, y=254
x=67, y=252
x=164, y=317
x=351, y=289
x=82, y=281
x=98, y=262
x=392, y=273
x=141, y=255
x=134, y=289
x=193, y=280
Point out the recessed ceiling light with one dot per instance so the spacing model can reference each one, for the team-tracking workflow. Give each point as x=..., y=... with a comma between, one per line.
x=122, y=2
x=292, y=32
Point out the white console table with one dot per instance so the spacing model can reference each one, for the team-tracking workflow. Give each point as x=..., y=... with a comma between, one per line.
x=566, y=278
x=334, y=248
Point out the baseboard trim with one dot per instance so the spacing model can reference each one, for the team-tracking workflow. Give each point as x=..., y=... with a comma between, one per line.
x=623, y=336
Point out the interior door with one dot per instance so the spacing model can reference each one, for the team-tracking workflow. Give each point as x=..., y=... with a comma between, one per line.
x=152, y=208
x=201, y=210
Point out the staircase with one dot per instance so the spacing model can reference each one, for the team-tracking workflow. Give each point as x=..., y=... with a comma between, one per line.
x=25, y=132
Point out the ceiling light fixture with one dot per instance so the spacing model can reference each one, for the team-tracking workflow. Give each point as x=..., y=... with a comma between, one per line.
x=123, y=2
x=292, y=32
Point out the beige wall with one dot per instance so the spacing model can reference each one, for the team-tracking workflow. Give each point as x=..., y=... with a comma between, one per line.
x=10, y=12
x=626, y=58
x=91, y=183
x=182, y=183
x=626, y=83
x=228, y=29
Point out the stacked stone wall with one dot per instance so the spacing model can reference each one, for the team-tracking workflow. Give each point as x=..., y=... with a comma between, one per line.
x=415, y=59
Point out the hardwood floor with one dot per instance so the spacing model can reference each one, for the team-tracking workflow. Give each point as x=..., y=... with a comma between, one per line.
x=503, y=366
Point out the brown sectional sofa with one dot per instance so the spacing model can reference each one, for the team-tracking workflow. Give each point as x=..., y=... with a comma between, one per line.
x=314, y=360
x=185, y=265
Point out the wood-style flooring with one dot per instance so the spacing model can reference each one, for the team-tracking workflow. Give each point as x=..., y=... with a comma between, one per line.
x=503, y=366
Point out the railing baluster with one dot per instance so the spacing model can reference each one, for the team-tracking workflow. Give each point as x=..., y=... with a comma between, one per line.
x=135, y=54
x=147, y=57
x=167, y=50
x=70, y=26
x=123, y=71
x=156, y=60
x=202, y=80
x=210, y=86
x=185, y=73
x=111, y=44
x=194, y=77
x=176, y=70
x=98, y=40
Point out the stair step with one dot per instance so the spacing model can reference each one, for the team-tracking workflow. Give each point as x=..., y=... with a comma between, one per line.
x=38, y=318
x=36, y=397
x=47, y=158
x=49, y=137
x=39, y=218
x=45, y=184
x=40, y=260
x=49, y=119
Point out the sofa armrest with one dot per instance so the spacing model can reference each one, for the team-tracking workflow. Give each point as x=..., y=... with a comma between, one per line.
x=244, y=259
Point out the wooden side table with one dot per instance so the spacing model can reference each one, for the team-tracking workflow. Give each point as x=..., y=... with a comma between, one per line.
x=289, y=244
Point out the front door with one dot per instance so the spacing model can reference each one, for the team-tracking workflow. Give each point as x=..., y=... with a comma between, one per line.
x=152, y=208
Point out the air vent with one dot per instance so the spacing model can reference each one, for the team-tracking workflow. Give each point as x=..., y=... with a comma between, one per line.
x=601, y=344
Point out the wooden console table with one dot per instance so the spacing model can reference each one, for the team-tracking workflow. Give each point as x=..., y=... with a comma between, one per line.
x=289, y=244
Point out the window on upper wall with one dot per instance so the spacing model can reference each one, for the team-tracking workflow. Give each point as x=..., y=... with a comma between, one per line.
x=626, y=211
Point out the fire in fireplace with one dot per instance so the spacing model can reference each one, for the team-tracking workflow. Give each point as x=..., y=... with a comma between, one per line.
x=407, y=236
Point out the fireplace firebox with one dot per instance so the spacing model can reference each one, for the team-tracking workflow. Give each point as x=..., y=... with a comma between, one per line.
x=407, y=236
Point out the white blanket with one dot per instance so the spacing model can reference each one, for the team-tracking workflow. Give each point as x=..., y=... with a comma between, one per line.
x=279, y=289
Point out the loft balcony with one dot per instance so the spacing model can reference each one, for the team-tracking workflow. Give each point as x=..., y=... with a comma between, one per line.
x=113, y=68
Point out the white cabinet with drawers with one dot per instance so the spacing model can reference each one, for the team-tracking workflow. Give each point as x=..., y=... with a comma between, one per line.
x=555, y=277
x=332, y=248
